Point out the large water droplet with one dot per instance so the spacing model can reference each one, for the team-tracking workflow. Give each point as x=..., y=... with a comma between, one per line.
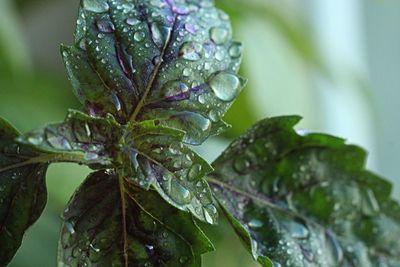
x=208, y=217
x=194, y=172
x=242, y=164
x=191, y=51
x=139, y=36
x=255, y=224
x=57, y=141
x=225, y=86
x=159, y=34
x=219, y=35
x=235, y=50
x=297, y=230
x=132, y=21
x=97, y=6
x=105, y=26
x=179, y=193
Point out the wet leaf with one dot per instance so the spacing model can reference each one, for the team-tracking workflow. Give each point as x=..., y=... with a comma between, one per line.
x=110, y=223
x=306, y=200
x=163, y=59
x=80, y=138
x=154, y=155
x=23, y=192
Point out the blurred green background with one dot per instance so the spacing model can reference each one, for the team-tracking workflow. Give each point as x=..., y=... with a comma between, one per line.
x=336, y=63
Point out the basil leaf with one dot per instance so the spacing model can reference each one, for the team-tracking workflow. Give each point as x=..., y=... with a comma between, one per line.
x=154, y=155
x=111, y=223
x=145, y=60
x=306, y=200
x=23, y=192
x=80, y=138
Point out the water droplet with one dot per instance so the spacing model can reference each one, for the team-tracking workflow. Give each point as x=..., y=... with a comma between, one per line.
x=139, y=36
x=116, y=101
x=132, y=21
x=297, y=230
x=105, y=26
x=276, y=264
x=182, y=259
x=35, y=139
x=91, y=156
x=97, y=6
x=70, y=228
x=191, y=28
x=214, y=115
x=187, y=72
x=208, y=217
x=191, y=51
x=235, y=51
x=255, y=224
x=194, y=172
x=219, y=35
x=242, y=164
x=159, y=34
x=57, y=141
x=225, y=86
x=179, y=193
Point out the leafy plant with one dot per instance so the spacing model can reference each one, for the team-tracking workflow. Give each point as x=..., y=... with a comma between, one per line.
x=154, y=78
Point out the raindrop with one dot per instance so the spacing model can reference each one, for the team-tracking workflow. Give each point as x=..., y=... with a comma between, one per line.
x=255, y=224
x=97, y=6
x=91, y=156
x=191, y=28
x=194, y=172
x=235, y=51
x=214, y=115
x=70, y=228
x=191, y=51
x=105, y=26
x=219, y=35
x=132, y=21
x=139, y=36
x=57, y=141
x=242, y=164
x=35, y=139
x=179, y=193
x=225, y=86
x=208, y=217
x=158, y=34
x=116, y=101
x=297, y=230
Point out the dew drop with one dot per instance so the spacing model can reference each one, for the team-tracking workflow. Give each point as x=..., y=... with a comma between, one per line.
x=235, y=51
x=219, y=35
x=97, y=6
x=139, y=36
x=180, y=194
x=174, y=88
x=132, y=21
x=194, y=172
x=225, y=86
x=255, y=224
x=242, y=164
x=208, y=217
x=191, y=51
x=105, y=26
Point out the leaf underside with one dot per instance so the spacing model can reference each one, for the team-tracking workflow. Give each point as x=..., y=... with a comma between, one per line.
x=167, y=60
x=306, y=200
x=105, y=226
x=23, y=192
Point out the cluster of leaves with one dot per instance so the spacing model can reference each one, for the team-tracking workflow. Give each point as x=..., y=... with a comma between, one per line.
x=155, y=77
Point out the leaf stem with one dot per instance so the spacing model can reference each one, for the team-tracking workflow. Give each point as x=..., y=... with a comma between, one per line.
x=152, y=78
x=123, y=215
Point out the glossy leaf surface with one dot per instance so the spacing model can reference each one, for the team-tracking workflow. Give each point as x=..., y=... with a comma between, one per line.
x=110, y=223
x=80, y=138
x=306, y=200
x=23, y=192
x=163, y=59
x=154, y=155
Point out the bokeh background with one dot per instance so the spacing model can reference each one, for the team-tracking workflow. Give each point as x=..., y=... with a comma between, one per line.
x=336, y=63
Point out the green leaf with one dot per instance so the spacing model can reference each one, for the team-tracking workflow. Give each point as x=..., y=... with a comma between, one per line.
x=23, y=192
x=154, y=155
x=145, y=60
x=306, y=200
x=110, y=223
x=80, y=138
x=146, y=153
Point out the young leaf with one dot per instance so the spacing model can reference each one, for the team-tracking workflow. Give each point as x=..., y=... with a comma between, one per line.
x=110, y=223
x=23, y=192
x=145, y=60
x=154, y=155
x=306, y=200
x=80, y=138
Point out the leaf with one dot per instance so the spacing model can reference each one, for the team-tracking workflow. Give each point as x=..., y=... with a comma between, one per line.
x=154, y=155
x=146, y=153
x=145, y=60
x=306, y=200
x=110, y=223
x=22, y=191
x=80, y=138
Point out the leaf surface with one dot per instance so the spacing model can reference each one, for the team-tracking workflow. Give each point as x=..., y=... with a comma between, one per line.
x=145, y=60
x=110, y=223
x=23, y=192
x=306, y=200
